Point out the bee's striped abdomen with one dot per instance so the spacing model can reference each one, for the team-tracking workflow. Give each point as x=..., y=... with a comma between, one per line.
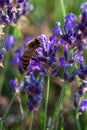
x=26, y=58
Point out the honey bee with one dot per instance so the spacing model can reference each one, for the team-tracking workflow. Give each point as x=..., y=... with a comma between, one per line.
x=28, y=53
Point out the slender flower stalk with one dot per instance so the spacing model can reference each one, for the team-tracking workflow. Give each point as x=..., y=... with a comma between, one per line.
x=8, y=108
x=21, y=109
x=57, y=124
x=59, y=102
x=2, y=78
x=6, y=62
x=31, y=121
x=46, y=105
x=21, y=113
x=61, y=98
x=6, y=33
x=63, y=8
x=7, y=111
x=56, y=112
x=77, y=120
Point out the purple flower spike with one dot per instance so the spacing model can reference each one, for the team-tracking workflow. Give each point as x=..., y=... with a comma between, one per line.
x=13, y=84
x=11, y=10
x=46, y=57
x=9, y=43
x=57, y=30
x=16, y=59
x=33, y=88
x=83, y=105
x=70, y=22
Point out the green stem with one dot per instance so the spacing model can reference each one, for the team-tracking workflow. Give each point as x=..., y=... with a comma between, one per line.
x=59, y=103
x=56, y=125
x=7, y=111
x=21, y=108
x=21, y=113
x=63, y=8
x=2, y=78
x=6, y=32
x=31, y=121
x=2, y=75
x=78, y=121
x=46, y=104
x=8, y=108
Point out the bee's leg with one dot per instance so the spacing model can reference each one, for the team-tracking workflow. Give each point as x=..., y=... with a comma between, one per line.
x=36, y=53
x=33, y=58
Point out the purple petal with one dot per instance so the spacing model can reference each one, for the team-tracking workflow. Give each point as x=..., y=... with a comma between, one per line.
x=83, y=105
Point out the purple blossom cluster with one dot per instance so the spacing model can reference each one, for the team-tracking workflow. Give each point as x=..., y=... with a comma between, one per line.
x=11, y=10
x=17, y=88
x=32, y=87
x=8, y=46
x=9, y=42
x=73, y=39
x=46, y=58
x=81, y=72
x=16, y=59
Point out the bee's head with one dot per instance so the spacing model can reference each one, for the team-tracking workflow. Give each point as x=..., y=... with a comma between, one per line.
x=37, y=42
x=34, y=44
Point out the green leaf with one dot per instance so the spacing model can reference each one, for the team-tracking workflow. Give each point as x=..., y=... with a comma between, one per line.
x=17, y=32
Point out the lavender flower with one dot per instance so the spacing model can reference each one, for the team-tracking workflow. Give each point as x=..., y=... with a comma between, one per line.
x=25, y=7
x=83, y=105
x=45, y=59
x=9, y=10
x=33, y=88
x=17, y=88
x=49, y=49
x=67, y=33
x=81, y=29
x=13, y=84
x=81, y=71
x=66, y=39
x=73, y=38
x=74, y=33
x=16, y=59
x=9, y=43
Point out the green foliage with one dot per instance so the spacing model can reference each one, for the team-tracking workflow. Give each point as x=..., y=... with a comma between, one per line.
x=17, y=32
